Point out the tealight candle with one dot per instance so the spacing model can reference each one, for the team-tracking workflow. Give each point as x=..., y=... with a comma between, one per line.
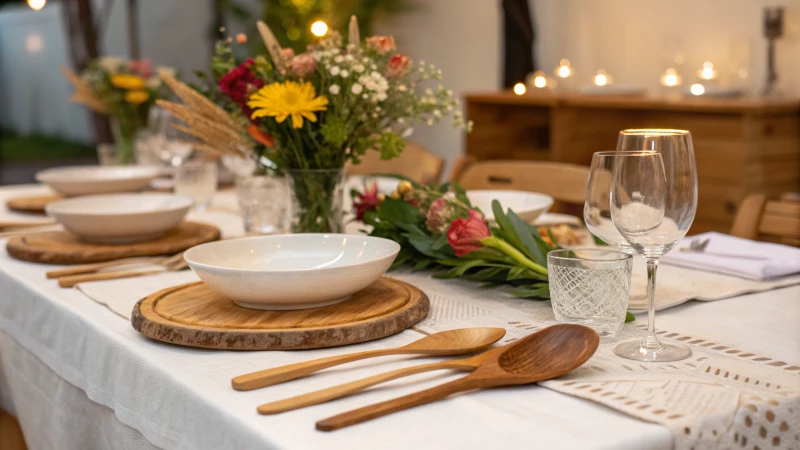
x=707, y=72
x=563, y=70
x=670, y=78
x=602, y=78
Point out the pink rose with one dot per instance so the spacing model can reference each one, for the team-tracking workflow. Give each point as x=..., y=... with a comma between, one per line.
x=303, y=64
x=143, y=67
x=383, y=44
x=464, y=235
x=438, y=215
x=397, y=65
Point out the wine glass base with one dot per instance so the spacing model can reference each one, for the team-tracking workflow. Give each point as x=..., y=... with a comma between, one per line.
x=636, y=351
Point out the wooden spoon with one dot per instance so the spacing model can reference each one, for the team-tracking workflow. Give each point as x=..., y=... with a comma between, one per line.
x=547, y=354
x=451, y=342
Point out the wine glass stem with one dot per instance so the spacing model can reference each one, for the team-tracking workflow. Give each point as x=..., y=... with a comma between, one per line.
x=651, y=341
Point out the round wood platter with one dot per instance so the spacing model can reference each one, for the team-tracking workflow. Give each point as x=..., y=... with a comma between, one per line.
x=193, y=315
x=31, y=204
x=62, y=247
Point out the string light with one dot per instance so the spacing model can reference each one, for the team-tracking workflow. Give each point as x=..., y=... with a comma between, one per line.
x=319, y=28
x=563, y=70
x=697, y=89
x=519, y=89
x=36, y=4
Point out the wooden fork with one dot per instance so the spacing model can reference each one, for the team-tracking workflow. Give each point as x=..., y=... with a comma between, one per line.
x=171, y=264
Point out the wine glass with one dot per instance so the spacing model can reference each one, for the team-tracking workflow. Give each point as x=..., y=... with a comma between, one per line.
x=171, y=145
x=597, y=209
x=653, y=204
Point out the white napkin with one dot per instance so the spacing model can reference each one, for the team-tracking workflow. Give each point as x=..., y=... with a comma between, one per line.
x=781, y=260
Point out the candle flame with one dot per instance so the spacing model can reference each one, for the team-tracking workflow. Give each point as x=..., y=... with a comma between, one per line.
x=519, y=89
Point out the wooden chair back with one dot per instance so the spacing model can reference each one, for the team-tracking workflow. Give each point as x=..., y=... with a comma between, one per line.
x=565, y=182
x=771, y=220
x=415, y=162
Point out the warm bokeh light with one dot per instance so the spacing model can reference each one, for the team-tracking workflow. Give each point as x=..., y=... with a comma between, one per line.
x=697, y=89
x=319, y=28
x=539, y=81
x=519, y=89
x=670, y=78
x=708, y=72
x=563, y=70
x=36, y=4
x=33, y=43
x=601, y=79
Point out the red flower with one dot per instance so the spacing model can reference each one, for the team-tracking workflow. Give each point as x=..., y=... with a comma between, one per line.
x=142, y=66
x=239, y=83
x=464, y=235
x=368, y=201
x=383, y=44
x=397, y=65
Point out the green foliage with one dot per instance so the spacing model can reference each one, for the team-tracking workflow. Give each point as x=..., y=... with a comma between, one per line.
x=390, y=145
x=334, y=130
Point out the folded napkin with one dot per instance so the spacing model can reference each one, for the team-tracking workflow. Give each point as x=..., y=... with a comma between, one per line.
x=781, y=260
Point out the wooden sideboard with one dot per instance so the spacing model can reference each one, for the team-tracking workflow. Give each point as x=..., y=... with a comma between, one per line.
x=742, y=146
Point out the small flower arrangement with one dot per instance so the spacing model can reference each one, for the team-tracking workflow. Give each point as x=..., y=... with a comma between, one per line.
x=312, y=113
x=124, y=90
x=438, y=229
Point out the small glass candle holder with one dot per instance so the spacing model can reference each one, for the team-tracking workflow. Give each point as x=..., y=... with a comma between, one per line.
x=263, y=201
x=590, y=287
x=198, y=181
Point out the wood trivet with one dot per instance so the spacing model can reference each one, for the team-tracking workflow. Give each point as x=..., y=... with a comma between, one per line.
x=193, y=315
x=62, y=247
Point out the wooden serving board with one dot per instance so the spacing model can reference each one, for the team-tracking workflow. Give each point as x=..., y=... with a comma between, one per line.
x=62, y=247
x=195, y=316
x=31, y=204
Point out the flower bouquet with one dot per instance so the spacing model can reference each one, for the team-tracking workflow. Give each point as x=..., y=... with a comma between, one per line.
x=438, y=229
x=124, y=90
x=310, y=114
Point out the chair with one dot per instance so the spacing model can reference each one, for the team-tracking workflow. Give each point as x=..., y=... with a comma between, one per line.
x=10, y=433
x=415, y=162
x=773, y=220
x=565, y=182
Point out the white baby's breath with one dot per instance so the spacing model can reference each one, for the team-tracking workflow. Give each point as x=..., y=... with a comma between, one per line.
x=334, y=89
x=356, y=89
x=334, y=70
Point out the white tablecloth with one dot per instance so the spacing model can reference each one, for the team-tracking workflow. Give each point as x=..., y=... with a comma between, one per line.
x=78, y=376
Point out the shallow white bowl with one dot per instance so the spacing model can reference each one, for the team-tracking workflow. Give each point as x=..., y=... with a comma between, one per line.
x=86, y=180
x=292, y=271
x=120, y=218
x=527, y=205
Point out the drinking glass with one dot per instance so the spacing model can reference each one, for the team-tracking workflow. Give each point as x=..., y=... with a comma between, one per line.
x=597, y=209
x=170, y=145
x=653, y=204
x=198, y=181
x=263, y=201
x=590, y=287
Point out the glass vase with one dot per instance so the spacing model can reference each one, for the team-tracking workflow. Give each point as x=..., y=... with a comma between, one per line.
x=317, y=200
x=124, y=130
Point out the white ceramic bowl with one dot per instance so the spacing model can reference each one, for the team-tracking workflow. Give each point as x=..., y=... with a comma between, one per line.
x=120, y=218
x=292, y=271
x=86, y=180
x=527, y=205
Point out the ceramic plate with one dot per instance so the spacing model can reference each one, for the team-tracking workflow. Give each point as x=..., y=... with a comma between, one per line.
x=86, y=180
x=292, y=271
x=527, y=205
x=120, y=218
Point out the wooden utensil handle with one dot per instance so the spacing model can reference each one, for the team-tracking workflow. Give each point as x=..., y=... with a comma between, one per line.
x=342, y=390
x=87, y=268
x=399, y=404
x=71, y=281
x=269, y=377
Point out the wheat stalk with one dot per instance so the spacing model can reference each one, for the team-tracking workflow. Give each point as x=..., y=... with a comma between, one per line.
x=83, y=94
x=198, y=102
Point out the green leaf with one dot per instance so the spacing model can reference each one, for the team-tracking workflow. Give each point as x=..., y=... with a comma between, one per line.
x=523, y=232
x=400, y=213
x=422, y=264
x=506, y=229
x=629, y=317
x=441, y=242
x=540, y=291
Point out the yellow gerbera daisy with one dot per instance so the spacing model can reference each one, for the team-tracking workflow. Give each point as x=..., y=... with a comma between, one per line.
x=137, y=97
x=125, y=81
x=281, y=100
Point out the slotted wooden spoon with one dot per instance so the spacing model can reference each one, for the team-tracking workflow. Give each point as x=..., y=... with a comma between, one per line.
x=451, y=342
x=547, y=354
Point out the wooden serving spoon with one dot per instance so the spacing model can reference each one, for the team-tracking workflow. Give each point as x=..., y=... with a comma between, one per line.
x=547, y=354
x=451, y=342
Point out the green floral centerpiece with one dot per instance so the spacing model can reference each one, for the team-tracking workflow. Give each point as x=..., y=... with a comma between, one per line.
x=312, y=113
x=123, y=90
